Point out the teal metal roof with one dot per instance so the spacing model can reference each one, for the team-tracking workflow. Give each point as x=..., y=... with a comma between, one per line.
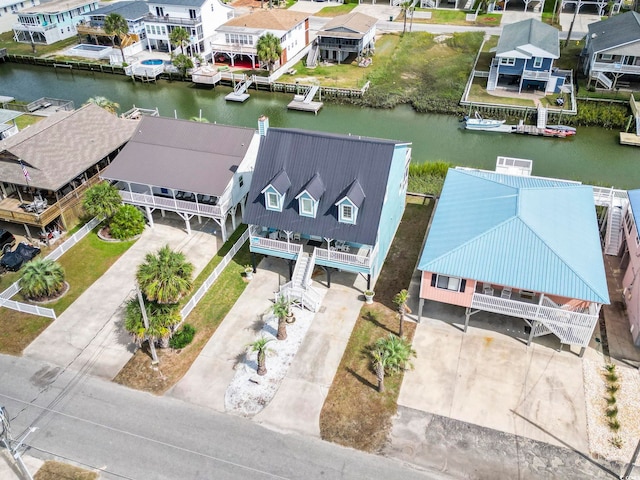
x=528, y=233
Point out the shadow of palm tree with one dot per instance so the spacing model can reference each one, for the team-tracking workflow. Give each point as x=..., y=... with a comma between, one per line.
x=372, y=317
x=361, y=379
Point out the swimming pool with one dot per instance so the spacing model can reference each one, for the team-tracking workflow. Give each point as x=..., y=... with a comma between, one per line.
x=85, y=47
x=153, y=61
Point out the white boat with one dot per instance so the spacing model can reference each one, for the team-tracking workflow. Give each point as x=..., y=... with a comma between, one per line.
x=479, y=123
x=563, y=128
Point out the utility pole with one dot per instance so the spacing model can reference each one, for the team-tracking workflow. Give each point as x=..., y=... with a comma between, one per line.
x=7, y=440
x=575, y=14
x=151, y=340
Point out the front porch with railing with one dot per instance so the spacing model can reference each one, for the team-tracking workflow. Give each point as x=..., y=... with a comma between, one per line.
x=328, y=252
x=572, y=324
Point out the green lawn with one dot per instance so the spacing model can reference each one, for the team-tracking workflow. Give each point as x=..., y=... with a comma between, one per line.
x=83, y=265
x=453, y=17
x=16, y=48
x=26, y=120
x=335, y=11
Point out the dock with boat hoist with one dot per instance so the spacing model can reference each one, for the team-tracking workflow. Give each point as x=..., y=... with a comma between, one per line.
x=540, y=129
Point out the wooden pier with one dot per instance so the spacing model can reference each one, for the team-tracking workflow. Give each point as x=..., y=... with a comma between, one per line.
x=632, y=138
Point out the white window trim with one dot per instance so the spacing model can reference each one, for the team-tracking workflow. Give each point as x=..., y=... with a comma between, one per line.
x=354, y=213
x=453, y=283
x=606, y=56
x=509, y=62
x=307, y=212
x=271, y=196
x=537, y=62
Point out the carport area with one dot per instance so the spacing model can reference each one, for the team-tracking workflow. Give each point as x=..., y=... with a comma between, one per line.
x=489, y=377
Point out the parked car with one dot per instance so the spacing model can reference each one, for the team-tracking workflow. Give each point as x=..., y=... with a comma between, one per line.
x=7, y=241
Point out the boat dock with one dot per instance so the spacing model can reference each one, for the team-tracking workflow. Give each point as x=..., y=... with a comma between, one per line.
x=239, y=93
x=305, y=102
x=630, y=138
x=206, y=75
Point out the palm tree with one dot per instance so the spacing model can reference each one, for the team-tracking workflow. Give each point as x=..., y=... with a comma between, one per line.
x=405, y=7
x=102, y=199
x=116, y=25
x=269, y=49
x=166, y=276
x=182, y=62
x=260, y=346
x=391, y=355
x=162, y=320
x=281, y=311
x=180, y=36
x=104, y=102
x=400, y=299
x=41, y=279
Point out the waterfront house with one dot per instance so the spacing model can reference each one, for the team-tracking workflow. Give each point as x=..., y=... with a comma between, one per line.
x=631, y=264
x=199, y=17
x=44, y=169
x=325, y=199
x=524, y=58
x=190, y=168
x=527, y=247
x=236, y=40
x=344, y=35
x=611, y=57
x=51, y=22
x=8, y=9
x=133, y=12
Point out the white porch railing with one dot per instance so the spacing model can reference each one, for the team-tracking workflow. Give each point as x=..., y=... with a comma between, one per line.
x=536, y=75
x=272, y=244
x=615, y=68
x=154, y=201
x=343, y=257
x=573, y=328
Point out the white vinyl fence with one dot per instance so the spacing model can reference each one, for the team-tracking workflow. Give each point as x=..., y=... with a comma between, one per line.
x=186, y=310
x=56, y=254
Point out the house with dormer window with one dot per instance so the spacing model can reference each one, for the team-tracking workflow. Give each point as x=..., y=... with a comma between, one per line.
x=328, y=200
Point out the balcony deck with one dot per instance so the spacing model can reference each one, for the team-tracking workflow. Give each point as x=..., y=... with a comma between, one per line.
x=174, y=205
x=358, y=261
x=615, y=68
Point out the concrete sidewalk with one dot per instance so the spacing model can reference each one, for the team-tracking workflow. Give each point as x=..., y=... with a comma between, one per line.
x=89, y=336
x=10, y=471
x=297, y=404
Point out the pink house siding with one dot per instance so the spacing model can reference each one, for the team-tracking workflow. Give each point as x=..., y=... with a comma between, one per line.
x=462, y=299
x=630, y=281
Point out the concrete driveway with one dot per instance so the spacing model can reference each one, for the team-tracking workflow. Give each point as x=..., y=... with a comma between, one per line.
x=489, y=377
x=89, y=336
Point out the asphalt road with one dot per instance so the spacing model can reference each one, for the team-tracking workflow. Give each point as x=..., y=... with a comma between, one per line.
x=134, y=435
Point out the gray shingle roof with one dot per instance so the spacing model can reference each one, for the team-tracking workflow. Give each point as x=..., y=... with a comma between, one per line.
x=182, y=155
x=338, y=160
x=130, y=10
x=529, y=37
x=615, y=31
x=60, y=147
x=352, y=25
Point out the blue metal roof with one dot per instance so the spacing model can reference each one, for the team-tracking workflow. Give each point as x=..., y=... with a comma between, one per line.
x=528, y=233
x=634, y=201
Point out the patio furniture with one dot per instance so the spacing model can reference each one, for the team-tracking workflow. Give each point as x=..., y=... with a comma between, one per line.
x=487, y=289
x=505, y=293
x=273, y=235
x=296, y=237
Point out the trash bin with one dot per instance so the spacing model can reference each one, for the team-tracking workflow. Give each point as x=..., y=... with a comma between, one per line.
x=391, y=18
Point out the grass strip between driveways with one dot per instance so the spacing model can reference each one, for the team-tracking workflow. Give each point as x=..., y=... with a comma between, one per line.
x=354, y=413
x=205, y=317
x=83, y=265
x=51, y=470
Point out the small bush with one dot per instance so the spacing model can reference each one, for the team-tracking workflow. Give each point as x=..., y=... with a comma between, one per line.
x=611, y=377
x=617, y=442
x=182, y=337
x=614, y=425
x=611, y=400
x=613, y=388
x=127, y=223
x=611, y=412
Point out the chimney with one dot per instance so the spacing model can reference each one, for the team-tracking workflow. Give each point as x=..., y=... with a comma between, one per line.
x=263, y=125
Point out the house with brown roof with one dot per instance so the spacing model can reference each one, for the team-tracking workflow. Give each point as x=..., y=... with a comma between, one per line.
x=189, y=168
x=345, y=35
x=45, y=168
x=236, y=40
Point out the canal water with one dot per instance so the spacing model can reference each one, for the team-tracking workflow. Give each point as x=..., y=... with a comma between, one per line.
x=593, y=156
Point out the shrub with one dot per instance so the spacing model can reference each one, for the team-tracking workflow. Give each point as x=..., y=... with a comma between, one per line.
x=611, y=412
x=42, y=278
x=614, y=425
x=182, y=337
x=427, y=177
x=612, y=388
x=611, y=400
x=127, y=223
x=102, y=199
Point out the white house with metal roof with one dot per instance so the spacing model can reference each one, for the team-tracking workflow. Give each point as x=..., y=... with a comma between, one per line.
x=499, y=243
x=611, y=57
x=524, y=58
x=193, y=169
x=238, y=37
x=51, y=22
x=199, y=17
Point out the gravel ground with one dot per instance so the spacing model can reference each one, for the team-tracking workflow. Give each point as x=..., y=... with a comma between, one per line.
x=248, y=393
x=628, y=403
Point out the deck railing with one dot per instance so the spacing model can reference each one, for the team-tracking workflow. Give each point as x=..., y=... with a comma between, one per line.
x=277, y=245
x=343, y=257
x=615, y=67
x=573, y=328
x=169, y=20
x=536, y=75
x=154, y=201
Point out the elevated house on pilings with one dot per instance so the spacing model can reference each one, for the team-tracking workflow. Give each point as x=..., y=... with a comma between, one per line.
x=192, y=169
x=526, y=247
x=323, y=199
x=62, y=156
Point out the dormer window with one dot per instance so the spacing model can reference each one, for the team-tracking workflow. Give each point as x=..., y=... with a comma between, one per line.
x=309, y=197
x=273, y=201
x=350, y=203
x=307, y=207
x=346, y=213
